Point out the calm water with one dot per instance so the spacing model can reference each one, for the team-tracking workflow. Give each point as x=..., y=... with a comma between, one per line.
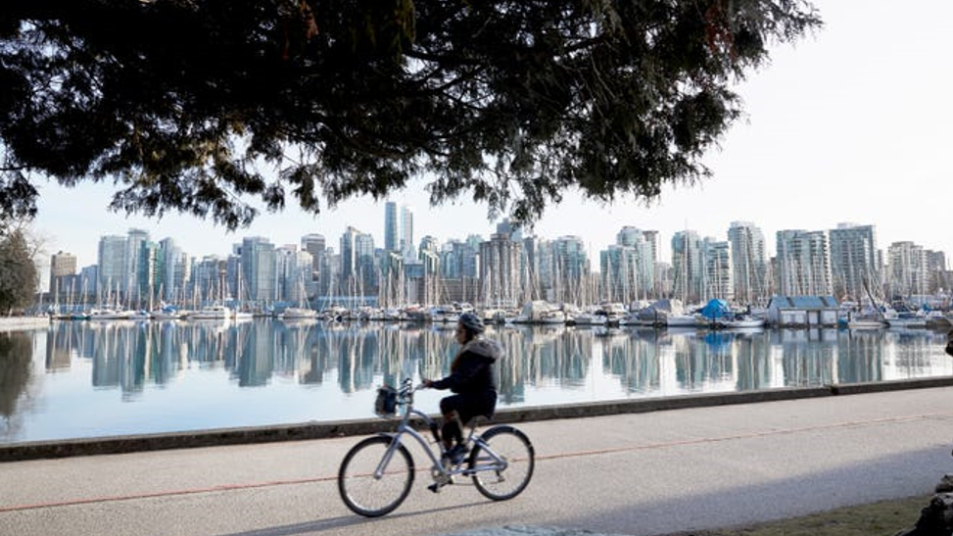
x=88, y=379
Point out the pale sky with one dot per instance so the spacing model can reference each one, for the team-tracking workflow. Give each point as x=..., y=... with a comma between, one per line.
x=852, y=124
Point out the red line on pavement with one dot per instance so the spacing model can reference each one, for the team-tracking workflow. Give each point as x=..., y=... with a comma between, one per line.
x=703, y=440
x=211, y=489
x=577, y=454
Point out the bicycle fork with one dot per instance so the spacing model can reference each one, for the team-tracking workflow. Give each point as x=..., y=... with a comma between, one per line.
x=388, y=456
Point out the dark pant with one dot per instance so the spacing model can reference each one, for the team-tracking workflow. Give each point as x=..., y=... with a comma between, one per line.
x=467, y=407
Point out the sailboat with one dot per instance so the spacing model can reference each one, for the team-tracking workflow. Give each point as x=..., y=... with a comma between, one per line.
x=299, y=312
x=872, y=318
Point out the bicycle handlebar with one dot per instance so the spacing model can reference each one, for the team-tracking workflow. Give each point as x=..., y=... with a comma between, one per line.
x=408, y=388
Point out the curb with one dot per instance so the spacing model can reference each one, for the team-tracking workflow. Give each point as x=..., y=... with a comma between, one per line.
x=296, y=432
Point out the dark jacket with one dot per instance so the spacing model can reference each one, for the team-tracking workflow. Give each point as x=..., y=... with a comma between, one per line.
x=471, y=371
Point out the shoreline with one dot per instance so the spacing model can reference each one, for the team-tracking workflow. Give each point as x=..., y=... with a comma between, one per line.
x=345, y=428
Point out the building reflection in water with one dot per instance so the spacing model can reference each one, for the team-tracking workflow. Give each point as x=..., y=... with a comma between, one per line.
x=644, y=361
x=351, y=360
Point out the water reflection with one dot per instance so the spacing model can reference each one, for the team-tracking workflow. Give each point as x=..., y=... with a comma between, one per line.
x=305, y=370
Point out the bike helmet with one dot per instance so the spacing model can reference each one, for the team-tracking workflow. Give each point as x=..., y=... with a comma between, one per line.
x=472, y=323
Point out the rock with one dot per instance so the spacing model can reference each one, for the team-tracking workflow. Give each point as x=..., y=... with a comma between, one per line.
x=936, y=519
x=945, y=485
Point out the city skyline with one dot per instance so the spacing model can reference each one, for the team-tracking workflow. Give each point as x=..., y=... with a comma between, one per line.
x=838, y=261
x=379, y=243
x=847, y=126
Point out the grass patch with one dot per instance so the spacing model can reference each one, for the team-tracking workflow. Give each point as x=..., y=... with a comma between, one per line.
x=885, y=518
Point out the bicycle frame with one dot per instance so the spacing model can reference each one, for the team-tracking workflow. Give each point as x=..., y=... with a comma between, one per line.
x=404, y=427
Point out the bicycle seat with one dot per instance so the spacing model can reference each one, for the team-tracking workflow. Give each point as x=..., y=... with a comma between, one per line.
x=476, y=421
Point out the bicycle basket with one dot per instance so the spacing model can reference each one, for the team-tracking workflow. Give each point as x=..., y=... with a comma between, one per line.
x=386, y=403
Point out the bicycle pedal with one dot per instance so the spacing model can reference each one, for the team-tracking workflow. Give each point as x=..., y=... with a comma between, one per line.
x=440, y=482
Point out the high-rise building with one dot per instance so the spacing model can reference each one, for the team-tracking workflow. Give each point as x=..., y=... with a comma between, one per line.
x=718, y=282
x=149, y=264
x=429, y=243
x=174, y=273
x=111, y=258
x=208, y=282
x=392, y=237
x=659, y=269
x=451, y=259
x=257, y=280
x=652, y=237
x=358, y=265
x=63, y=275
x=514, y=231
x=348, y=256
x=407, y=232
x=554, y=270
x=500, y=271
x=855, y=261
x=131, y=266
x=471, y=263
x=936, y=261
x=529, y=269
x=316, y=245
x=688, y=266
x=541, y=254
x=571, y=258
x=367, y=267
x=427, y=269
x=749, y=264
x=940, y=277
x=629, y=236
x=329, y=285
x=803, y=263
x=627, y=267
x=292, y=270
x=617, y=264
x=907, y=270
x=88, y=283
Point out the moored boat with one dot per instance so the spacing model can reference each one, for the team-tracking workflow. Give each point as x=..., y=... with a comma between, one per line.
x=296, y=313
x=212, y=312
x=741, y=322
x=111, y=314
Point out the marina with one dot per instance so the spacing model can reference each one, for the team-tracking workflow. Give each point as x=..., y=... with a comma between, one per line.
x=86, y=379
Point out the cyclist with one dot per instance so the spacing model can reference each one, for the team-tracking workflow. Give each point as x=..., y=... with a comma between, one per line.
x=472, y=380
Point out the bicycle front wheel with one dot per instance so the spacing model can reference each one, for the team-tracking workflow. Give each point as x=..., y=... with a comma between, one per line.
x=503, y=468
x=367, y=492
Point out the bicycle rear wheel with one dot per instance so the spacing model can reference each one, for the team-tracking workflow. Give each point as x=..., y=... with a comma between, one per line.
x=503, y=469
x=361, y=491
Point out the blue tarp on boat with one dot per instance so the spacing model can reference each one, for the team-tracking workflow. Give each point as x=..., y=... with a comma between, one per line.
x=715, y=309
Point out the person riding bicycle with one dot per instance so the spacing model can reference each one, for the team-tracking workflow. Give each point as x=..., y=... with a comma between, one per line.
x=472, y=380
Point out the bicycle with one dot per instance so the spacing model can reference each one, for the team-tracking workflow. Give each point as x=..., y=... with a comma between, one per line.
x=376, y=475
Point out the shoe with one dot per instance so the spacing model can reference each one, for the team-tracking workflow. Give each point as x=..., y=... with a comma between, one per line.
x=457, y=454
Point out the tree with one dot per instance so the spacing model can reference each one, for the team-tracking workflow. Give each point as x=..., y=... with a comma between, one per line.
x=18, y=274
x=205, y=106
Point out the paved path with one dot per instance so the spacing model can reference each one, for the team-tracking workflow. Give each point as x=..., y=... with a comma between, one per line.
x=640, y=474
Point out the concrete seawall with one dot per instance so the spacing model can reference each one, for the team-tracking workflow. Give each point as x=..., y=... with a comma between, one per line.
x=313, y=430
x=18, y=323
